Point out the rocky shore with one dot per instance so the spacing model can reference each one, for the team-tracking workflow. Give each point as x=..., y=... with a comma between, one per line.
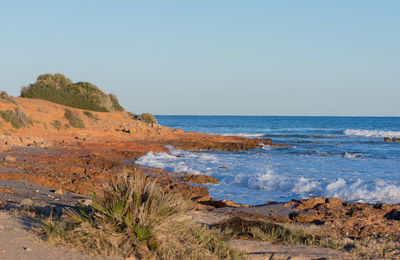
x=56, y=169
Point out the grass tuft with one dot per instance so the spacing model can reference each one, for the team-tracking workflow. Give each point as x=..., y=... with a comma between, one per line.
x=5, y=96
x=74, y=119
x=133, y=216
x=56, y=124
x=90, y=115
x=17, y=118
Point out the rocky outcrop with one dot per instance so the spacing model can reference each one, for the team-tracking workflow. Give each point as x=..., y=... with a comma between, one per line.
x=348, y=219
x=394, y=140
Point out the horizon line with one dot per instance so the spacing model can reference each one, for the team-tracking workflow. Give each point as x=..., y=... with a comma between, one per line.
x=277, y=115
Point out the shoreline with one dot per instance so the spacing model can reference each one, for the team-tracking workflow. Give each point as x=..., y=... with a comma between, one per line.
x=72, y=161
x=75, y=165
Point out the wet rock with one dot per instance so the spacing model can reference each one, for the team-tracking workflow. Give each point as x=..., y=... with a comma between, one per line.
x=311, y=203
x=199, y=179
x=387, y=139
x=396, y=140
x=223, y=167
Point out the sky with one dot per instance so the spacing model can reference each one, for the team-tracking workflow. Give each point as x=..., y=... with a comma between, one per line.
x=213, y=57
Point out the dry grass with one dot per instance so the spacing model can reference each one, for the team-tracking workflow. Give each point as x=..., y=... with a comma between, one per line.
x=7, y=98
x=56, y=124
x=17, y=118
x=275, y=233
x=133, y=216
x=74, y=119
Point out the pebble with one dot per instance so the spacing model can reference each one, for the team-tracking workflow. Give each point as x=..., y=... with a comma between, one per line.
x=3, y=251
x=28, y=249
x=59, y=192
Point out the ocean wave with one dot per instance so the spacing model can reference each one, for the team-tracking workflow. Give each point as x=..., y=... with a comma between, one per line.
x=271, y=180
x=165, y=161
x=375, y=191
x=244, y=135
x=352, y=155
x=371, y=133
x=302, y=136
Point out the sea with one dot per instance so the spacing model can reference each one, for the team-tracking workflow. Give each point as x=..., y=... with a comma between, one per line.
x=342, y=157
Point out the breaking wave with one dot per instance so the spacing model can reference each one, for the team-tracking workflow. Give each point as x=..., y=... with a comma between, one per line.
x=371, y=133
x=352, y=155
x=244, y=135
x=358, y=190
x=263, y=181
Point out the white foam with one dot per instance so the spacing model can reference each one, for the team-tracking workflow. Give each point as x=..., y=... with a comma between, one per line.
x=378, y=190
x=266, y=179
x=165, y=161
x=304, y=185
x=371, y=133
x=374, y=191
x=244, y=134
x=270, y=181
x=352, y=155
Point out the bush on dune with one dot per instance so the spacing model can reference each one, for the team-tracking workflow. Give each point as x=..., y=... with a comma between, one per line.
x=74, y=119
x=17, y=118
x=133, y=216
x=59, y=89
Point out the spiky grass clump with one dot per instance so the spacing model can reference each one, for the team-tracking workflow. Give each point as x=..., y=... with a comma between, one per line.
x=134, y=216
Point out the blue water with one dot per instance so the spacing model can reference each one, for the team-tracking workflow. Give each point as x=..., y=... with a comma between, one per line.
x=328, y=156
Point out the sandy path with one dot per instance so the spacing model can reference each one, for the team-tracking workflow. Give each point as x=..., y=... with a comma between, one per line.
x=17, y=243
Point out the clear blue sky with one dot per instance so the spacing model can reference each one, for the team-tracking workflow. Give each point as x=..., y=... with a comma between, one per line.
x=213, y=57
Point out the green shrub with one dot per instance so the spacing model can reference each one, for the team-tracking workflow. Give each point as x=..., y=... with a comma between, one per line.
x=147, y=118
x=56, y=124
x=59, y=89
x=74, y=119
x=17, y=118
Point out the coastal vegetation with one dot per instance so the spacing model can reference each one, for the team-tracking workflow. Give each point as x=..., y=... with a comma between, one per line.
x=17, y=118
x=144, y=117
x=147, y=118
x=74, y=119
x=56, y=124
x=133, y=216
x=237, y=227
x=6, y=97
x=59, y=89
